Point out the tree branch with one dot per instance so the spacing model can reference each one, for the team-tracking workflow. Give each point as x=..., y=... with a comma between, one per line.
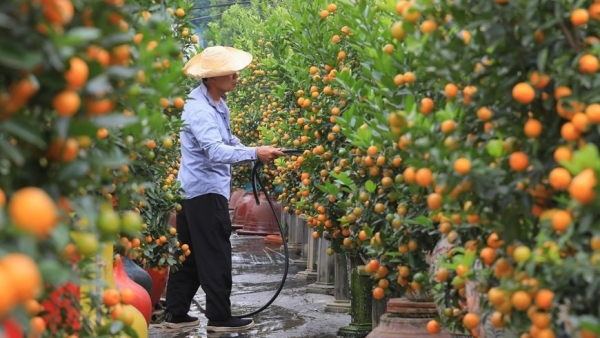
x=569, y=37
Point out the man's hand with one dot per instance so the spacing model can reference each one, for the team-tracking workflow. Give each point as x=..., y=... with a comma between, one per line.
x=268, y=154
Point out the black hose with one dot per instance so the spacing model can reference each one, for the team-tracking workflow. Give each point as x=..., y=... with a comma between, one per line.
x=255, y=178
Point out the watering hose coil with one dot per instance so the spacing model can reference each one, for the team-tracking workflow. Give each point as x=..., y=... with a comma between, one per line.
x=256, y=181
x=255, y=178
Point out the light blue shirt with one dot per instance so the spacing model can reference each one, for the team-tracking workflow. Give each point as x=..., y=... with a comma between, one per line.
x=207, y=146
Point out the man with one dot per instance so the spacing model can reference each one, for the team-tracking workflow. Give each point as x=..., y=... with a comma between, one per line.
x=208, y=150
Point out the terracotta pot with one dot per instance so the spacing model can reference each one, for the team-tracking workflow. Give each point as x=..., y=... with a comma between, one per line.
x=260, y=219
x=62, y=308
x=9, y=328
x=421, y=296
x=137, y=274
x=236, y=196
x=274, y=239
x=142, y=300
x=241, y=211
x=159, y=282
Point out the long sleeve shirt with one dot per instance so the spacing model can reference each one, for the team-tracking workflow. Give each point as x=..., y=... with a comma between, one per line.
x=207, y=146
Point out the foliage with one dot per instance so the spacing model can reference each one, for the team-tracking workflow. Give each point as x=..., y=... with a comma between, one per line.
x=158, y=158
x=84, y=86
x=472, y=120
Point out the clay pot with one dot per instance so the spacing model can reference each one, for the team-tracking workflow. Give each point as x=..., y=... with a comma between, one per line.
x=9, y=328
x=142, y=300
x=274, y=239
x=159, y=282
x=405, y=319
x=421, y=296
x=137, y=274
x=235, y=198
x=139, y=325
x=242, y=208
x=260, y=220
x=62, y=308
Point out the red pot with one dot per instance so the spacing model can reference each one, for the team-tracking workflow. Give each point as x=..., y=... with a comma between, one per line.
x=159, y=283
x=235, y=198
x=142, y=300
x=9, y=328
x=62, y=308
x=260, y=219
x=242, y=208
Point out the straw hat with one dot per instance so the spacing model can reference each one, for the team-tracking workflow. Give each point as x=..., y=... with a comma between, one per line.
x=217, y=61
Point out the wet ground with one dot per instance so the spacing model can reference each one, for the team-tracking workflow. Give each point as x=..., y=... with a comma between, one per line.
x=257, y=272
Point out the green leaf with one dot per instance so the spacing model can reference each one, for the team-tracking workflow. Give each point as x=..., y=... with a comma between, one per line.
x=82, y=127
x=118, y=39
x=60, y=235
x=110, y=161
x=114, y=120
x=586, y=222
x=13, y=56
x=116, y=327
x=370, y=186
x=409, y=103
x=98, y=85
x=342, y=178
x=591, y=324
x=541, y=59
x=574, y=167
x=53, y=272
x=80, y=35
x=23, y=132
x=413, y=45
x=587, y=157
x=469, y=257
x=121, y=72
x=443, y=115
x=74, y=170
x=422, y=220
x=364, y=135
x=130, y=332
x=12, y=152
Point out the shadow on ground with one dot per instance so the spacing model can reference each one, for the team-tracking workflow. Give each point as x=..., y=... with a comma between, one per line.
x=257, y=272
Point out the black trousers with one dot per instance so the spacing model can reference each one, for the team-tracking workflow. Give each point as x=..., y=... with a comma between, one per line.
x=203, y=224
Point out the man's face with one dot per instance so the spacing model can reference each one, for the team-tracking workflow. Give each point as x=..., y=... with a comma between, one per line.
x=225, y=83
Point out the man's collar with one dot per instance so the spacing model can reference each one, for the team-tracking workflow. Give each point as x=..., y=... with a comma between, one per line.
x=212, y=102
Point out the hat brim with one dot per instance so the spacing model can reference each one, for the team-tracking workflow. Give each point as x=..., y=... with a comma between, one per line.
x=235, y=60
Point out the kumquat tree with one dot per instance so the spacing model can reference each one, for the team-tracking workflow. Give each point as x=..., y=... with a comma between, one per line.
x=90, y=98
x=451, y=147
x=470, y=122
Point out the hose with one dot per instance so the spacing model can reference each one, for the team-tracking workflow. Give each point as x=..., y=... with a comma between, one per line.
x=255, y=178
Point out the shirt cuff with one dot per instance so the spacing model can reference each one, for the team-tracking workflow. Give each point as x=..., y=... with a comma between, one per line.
x=252, y=153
